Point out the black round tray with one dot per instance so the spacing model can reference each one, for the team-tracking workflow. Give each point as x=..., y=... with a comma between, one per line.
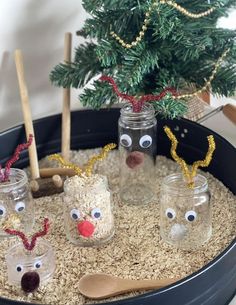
x=215, y=283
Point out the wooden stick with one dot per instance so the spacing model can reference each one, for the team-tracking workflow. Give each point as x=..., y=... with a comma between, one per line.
x=46, y=187
x=57, y=180
x=50, y=172
x=66, y=125
x=34, y=167
x=229, y=110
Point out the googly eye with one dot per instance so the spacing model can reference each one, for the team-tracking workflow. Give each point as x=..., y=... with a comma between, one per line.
x=145, y=141
x=19, y=268
x=190, y=216
x=125, y=140
x=38, y=264
x=2, y=211
x=170, y=213
x=75, y=214
x=20, y=206
x=96, y=213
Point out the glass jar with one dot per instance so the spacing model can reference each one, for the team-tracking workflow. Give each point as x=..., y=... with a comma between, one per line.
x=137, y=146
x=16, y=202
x=185, y=213
x=22, y=263
x=88, y=215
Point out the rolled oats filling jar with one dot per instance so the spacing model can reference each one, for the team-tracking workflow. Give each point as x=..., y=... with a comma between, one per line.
x=88, y=215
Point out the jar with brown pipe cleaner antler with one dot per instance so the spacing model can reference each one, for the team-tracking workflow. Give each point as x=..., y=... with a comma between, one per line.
x=88, y=215
x=185, y=206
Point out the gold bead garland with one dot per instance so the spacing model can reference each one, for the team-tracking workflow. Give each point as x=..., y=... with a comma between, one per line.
x=90, y=163
x=186, y=12
x=141, y=32
x=208, y=82
x=147, y=19
x=190, y=174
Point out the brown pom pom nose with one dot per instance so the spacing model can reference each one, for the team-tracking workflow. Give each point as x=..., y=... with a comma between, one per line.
x=30, y=281
x=134, y=159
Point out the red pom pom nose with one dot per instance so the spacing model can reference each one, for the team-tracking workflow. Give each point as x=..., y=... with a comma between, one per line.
x=30, y=281
x=85, y=228
x=134, y=159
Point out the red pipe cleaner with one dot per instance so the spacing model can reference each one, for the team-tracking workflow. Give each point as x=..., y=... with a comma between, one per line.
x=137, y=103
x=15, y=157
x=30, y=245
x=1, y=174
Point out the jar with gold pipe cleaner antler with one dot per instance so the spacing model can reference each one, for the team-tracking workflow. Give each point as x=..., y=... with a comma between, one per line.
x=16, y=204
x=30, y=263
x=88, y=215
x=185, y=205
x=137, y=145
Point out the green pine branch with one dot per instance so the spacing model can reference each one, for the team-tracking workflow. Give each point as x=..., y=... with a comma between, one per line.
x=176, y=51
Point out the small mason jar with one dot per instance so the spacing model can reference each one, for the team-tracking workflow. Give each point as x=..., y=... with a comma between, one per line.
x=88, y=215
x=137, y=146
x=16, y=202
x=24, y=265
x=185, y=213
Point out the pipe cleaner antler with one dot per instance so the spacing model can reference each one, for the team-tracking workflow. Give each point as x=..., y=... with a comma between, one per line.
x=100, y=157
x=89, y=166
x=66, y=164
x=190, y=174
x=137, y=103
x=30, y=245
x=4, y=177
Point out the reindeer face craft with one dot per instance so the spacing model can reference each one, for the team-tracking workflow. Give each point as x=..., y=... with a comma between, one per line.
x=88, y=213
x=185, y=214
x=185, y=205
x=16, y=205
x=137, y=146
x=30, y=264
x=88, y=216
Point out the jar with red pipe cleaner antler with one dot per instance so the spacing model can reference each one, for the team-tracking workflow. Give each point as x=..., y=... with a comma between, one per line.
x=30, y=264
x=16, y=204
x=88, y=215
x=137, y=146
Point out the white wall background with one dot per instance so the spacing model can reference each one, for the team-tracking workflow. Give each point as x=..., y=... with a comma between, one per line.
x=37, y=27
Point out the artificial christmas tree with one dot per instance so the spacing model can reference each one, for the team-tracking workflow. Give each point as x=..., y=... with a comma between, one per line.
x=150, y=45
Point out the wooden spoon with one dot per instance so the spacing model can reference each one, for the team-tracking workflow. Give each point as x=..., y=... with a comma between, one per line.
x=100, y=286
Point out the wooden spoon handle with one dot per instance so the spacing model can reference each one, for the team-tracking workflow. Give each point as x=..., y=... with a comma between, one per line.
x=132, y=285
x=34, y=167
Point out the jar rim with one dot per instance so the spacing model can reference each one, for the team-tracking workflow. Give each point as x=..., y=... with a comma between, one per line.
x=147, y=109
x=201, y=184
x=8, y=185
